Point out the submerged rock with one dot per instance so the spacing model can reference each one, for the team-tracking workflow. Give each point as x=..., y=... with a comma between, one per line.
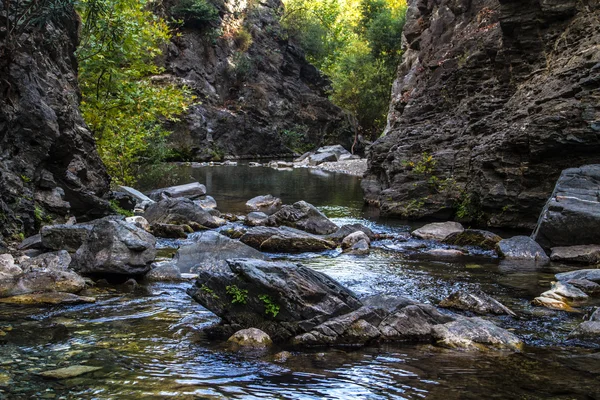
x=438, y=230
x=250, y=338
x=474, y=334
x=267, y=204
x=285, y=240
x=47, y=298
x=522, y=248
x=181, y=211
x=164, y=272
x=192, y=191
x=477, y=302
x=304, y=216
x=210, y=249
x=115, y=247
x=473, y=237
x=586, y=254
x=69, y=372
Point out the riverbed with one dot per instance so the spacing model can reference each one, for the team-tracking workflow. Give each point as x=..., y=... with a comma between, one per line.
x=148, y=339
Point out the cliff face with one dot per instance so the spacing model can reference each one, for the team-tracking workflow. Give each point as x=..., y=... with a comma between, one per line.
x=49, y=166
x=266, y=100
x=493, y=99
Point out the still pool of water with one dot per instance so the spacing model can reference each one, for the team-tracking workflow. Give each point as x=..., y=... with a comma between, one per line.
x=149, y=344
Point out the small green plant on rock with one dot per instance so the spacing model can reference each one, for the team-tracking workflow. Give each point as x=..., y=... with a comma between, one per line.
x=425, y=165
x=237, y=295
x=270, y=306
x=119, y=210
x=209, y=291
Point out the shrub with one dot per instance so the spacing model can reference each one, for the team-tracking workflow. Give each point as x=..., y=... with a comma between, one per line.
x=242, y=39
x=195, y=13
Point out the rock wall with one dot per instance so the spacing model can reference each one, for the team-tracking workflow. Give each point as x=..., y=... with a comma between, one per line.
x=493, y=99
x=49, y=166
x=266, y=100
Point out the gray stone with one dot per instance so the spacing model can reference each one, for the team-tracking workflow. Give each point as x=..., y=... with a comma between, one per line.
x=477, y=302
x=473, y=237
x=521, y=248
x=43, y=280
x=285, y=240
x=586, y=254
x=474, y=334
x=250, y=337
x=438, y=230
x=569, y=291
x=412, y=323
x=336, y=149
x=115, y=247
x=181, y=211
x=256, y=218
x=47, y=298
x=304, y=216
x=170, y=230
x=32, y=242
x=69, y=372
x=346, y=230
x=587, y=274
x=8, y=269
x=588, y=287
x=164, y=272
x=572, y=215
x=136, y=194
x=56, y=261
x=445, y=253
x=267, y=204
x=587, y=330
x=139, y=221
x=64, y=237
x=192, y=191
x=360, y=248
x=210, y=249
x=354, y=238
x=320, y=158
x=207, y=202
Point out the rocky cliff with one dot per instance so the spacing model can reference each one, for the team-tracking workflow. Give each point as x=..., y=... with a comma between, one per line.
x=49, y=166
x=493, y=99
x=258, y=96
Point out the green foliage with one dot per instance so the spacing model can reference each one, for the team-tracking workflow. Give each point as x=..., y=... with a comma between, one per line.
x=121, y=211
x=270, y=306
x=237, y=295
x=25, y=178
x=241, y=66
x=209, y=291
x=357, y=44
x=296, y=140
x=425, y=165
x=242, y=39
x=124, y=102
x=195, y=13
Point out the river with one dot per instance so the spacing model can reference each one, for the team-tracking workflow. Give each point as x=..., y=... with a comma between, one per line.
x=149, y=344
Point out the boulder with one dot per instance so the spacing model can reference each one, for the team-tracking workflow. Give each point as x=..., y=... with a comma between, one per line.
x=267, y=204
x=256, y=218
x=585, y=254
x=320, y=158
x=210, y=249
x=32, y=242
x=207, y=202
x=474, y=334
x=587, y=274
x=587, y=330
x=170, y=231
x=354, y=238
x=43, y=280
x=438, y=230
x=140, y=197
x=250, y=338
x=412, y=323
x=588, y=287
x=572, y=214
x=475, y=301
x=569, y=291
x=181, y=211
x=285, y=240
x=241, y=292
x=56, y=261
x=346, y=230
x=64, y=237
x=304, y=216
x=139, y=221
x=115, y=247
x=521, y=248
x=123, y=200
x=336, y=149
x=473, y=237
x=360, y=248
x=164, y=272
x=192, y=191
x=8, y=269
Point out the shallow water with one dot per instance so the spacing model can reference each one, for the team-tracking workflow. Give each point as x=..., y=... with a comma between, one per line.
x=149, y=344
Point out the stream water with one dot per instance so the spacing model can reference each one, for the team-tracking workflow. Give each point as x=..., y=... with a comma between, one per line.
x=149, y=344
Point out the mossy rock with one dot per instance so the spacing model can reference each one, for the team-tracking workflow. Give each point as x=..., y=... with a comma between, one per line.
x=473, y=237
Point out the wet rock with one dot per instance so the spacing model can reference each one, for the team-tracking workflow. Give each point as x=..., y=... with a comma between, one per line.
x=320, y=158
x=181, y=211
x=474, y=334
x=569, y=291
x=64, y=237
x=164, y=272
x=235, y=232
x=336, y=149
x=170, y=230
x=267, y=204
x=596, y=315
x=438, y=230
x=57, y=261
x=521, y=248
x=32, y=242
x=42, y=281
x=115, y=247
x=8, y=269
x=477, y=302
x=304, y=216
x=554, y=302
x=207, y=202
x=282, y=357
x=445, y=253
x=586, y=254
x=412, y=323
x=211, y=249
x=124, y=200
x=256, y=219
x=353, y=238
x=346, y=230
x=572, y=215
x=47, y=298
x=140, y=222
x=141, y=199
x=589, y=329
x=588, y=287
x=285, y=240
x=69, y=372
x=305, y=297
x=473, y=237
x=360, y=248
x=251, y=337
x=191, y=191
x=587, y=274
